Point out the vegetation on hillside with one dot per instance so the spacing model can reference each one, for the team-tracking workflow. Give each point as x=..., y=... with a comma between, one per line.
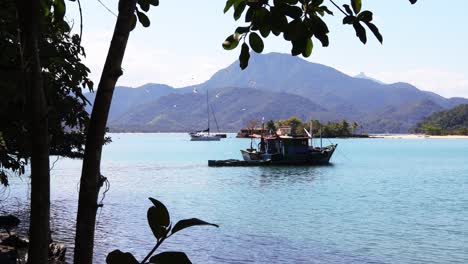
x=449, y=122
x=328, y=129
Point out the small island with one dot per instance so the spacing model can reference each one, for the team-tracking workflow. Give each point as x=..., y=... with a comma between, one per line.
x=294, y=126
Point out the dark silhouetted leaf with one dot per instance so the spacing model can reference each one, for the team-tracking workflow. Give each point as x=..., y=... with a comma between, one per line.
x=230, y=43
x=265, y=30
x=298, y=46
x=242, y=30
x=293, y=11
x=256, y=42
x=357, y=5
x=244, y=56
x=118, y=257
x=154, y=221
x=144, y=20
x=360, y=32
x=170, y=257
x=348, y=9
x=413, y=1
x=144, y=5
x=158, y=219
x=375, y=31
x=182, y=224
x=349, y=20
x=365, y=16
x=163, y=213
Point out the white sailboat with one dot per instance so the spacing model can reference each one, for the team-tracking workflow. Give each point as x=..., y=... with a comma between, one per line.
x=204, y=135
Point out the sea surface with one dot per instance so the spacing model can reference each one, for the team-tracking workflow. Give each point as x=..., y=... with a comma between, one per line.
x=381, y=201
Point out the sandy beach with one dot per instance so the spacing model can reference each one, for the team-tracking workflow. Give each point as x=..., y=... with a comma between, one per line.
x=418, y=136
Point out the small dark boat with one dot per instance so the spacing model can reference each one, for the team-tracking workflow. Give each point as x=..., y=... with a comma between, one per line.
x=281, y=150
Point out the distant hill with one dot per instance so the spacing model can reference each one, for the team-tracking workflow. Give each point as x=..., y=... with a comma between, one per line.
x=276, y=85
x=233, y=108
x=125, y=98
x=453, y=121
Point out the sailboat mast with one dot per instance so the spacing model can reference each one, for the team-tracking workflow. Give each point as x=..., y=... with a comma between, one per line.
x=311, y=133
x=208, y=110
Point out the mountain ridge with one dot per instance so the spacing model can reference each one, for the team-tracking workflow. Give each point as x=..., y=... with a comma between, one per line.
x=275, y=75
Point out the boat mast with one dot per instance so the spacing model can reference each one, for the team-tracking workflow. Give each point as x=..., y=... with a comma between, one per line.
x=311, y=134
x=208, y=110
x=320, y=135
x=214, y=117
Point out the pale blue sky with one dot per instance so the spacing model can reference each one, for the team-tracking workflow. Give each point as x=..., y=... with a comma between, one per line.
x=425, y=44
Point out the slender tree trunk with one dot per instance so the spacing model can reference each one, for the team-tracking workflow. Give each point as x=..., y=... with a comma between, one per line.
x=29, y=11
x=91, y=179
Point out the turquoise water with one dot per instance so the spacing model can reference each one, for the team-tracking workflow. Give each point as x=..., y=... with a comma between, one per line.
x=382, y=201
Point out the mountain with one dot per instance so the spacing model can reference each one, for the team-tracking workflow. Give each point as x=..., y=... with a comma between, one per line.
x=338, y=92
x=233, y=108
x=445, y=122
x=362, y=75
x=276, y=85
x=125, y=98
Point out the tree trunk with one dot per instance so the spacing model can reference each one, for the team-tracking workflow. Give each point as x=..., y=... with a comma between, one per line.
x=91, y=179
x=29, y=12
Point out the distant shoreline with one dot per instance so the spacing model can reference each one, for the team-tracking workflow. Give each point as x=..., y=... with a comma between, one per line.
x=373, y=136
x=417, y=136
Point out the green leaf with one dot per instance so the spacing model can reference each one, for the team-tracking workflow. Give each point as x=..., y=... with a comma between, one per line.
x=59, y=10
x=308, y=49
x=144, y=20
x=244, y=56
x=256, y=42
x=360, y=32
x=239, y=9
x=375, y=31
x=229, y=3
x=357, y=5
x=230, y=43
x=170, y=257
x=182, y=224
x=118, y=257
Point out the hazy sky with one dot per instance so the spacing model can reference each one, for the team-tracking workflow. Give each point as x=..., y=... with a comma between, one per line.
x=425, y=44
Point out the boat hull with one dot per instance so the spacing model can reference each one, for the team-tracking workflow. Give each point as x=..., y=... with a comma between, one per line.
x=316, y=156
x=205, y=139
